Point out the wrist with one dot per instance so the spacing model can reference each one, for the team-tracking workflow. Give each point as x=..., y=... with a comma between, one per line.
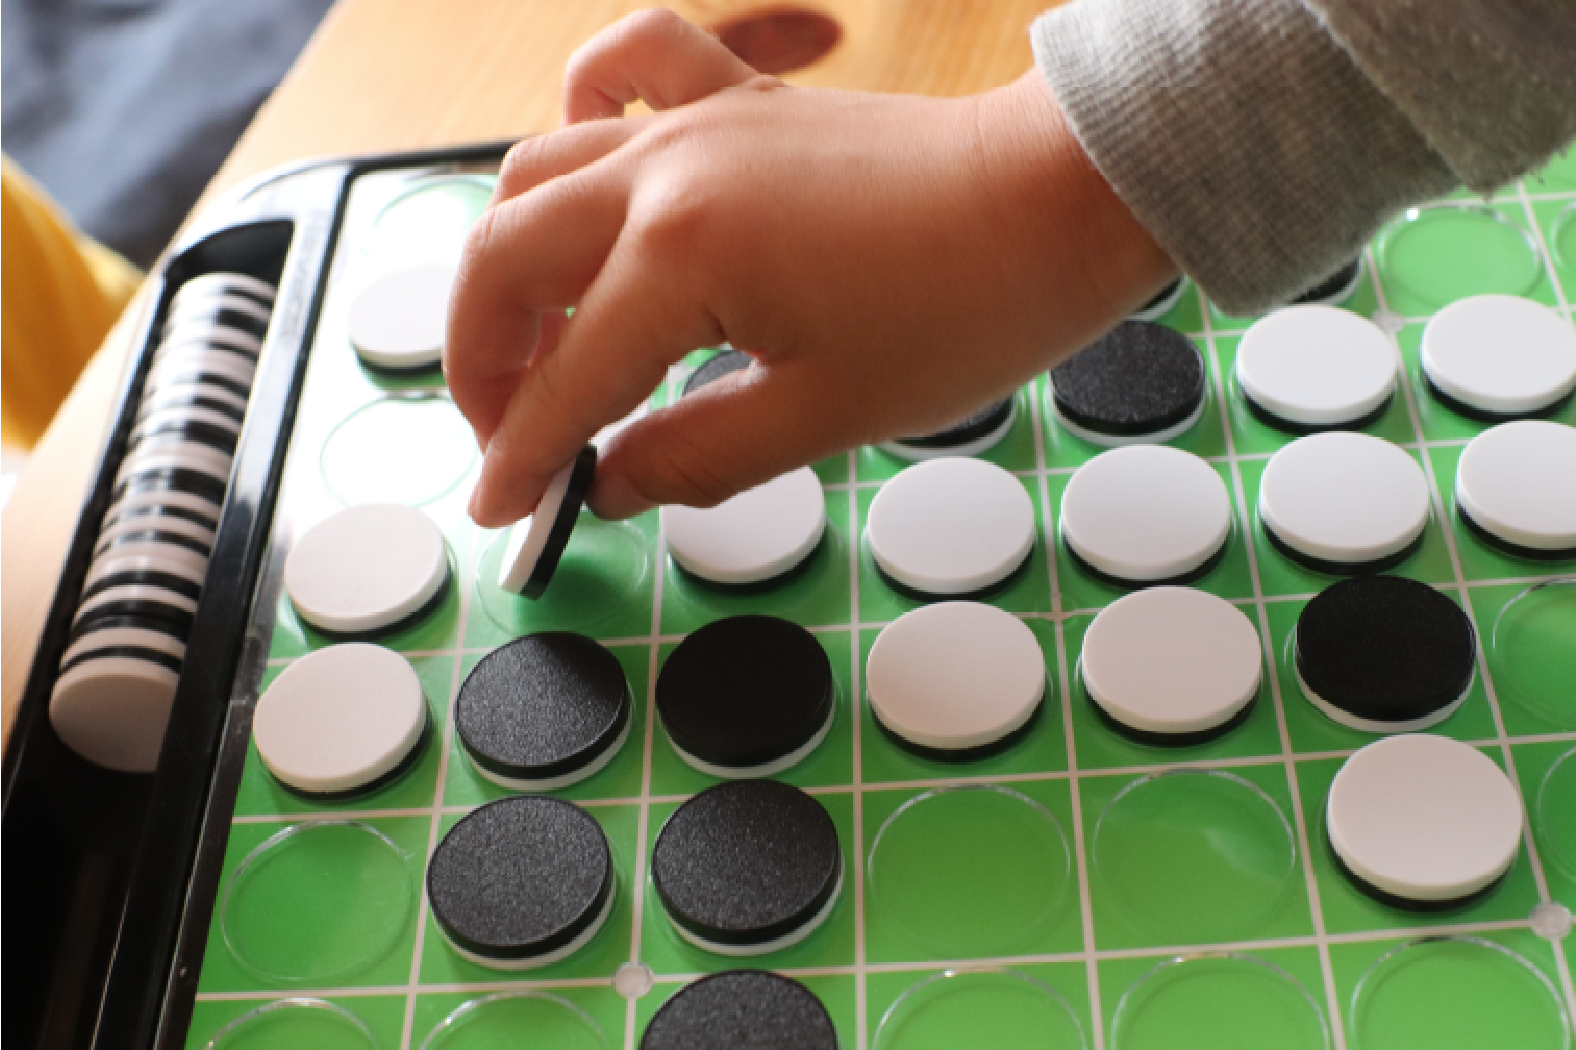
x=1088, y=240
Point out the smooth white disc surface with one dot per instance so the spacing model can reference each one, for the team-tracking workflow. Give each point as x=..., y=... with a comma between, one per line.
x=193, y=455
x=366, y=568
x=951, y=526
x=1518, y=482
x=1146, y=513
x=1316, y=365
x=207, y=307
x=123, y=638
x=117, y=564
x=113, y=710
x=1500, y=353
x=134, y=592
x=339, y=718
x=1172, y=660
x=159, y=557
x=397, y=321
x=756, y=535
x=955, y=675
x=1424, y=817
x=1344, y=497
x=236, y=283
x=528, y=538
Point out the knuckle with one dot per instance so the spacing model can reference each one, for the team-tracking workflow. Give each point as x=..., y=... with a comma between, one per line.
x=522, y=159
x=654, y=22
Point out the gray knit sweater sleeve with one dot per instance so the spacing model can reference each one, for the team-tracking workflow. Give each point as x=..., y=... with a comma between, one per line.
x=1262, y=142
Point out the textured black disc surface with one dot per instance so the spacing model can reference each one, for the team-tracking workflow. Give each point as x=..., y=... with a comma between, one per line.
x=724, y=364
x=741, y=1010
x=1136, y=379
x=543, y=706
x=746, y=862
x=745, y=691
x=1338, y=284
x=966, y=430
x=580, y=477
x=1385, y=649
x=520, y=877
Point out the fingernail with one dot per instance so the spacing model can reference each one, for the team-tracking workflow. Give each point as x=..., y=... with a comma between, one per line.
x=613, y=498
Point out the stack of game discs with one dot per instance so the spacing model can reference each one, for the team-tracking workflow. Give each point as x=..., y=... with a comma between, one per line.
x=123, y=659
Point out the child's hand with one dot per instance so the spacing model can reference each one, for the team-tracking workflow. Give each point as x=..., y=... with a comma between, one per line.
x=891, y=262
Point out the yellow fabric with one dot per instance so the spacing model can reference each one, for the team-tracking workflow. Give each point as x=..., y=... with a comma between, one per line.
x=59, y=294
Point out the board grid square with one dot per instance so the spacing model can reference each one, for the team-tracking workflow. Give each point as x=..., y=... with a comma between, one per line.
x=1321, y=931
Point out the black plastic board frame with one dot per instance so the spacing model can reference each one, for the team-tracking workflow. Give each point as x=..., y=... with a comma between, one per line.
x=111, y=877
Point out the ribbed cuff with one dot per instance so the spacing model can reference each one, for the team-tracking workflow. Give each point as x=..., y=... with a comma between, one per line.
x=1239, y=133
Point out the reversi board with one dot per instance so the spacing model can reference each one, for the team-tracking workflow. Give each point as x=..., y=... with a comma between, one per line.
x=1080, y=888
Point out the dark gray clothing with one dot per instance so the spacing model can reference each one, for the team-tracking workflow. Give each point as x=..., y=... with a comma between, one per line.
x=124, y=109
x=1262, y=142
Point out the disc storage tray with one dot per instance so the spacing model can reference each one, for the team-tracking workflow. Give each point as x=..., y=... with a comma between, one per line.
x=1107, y=765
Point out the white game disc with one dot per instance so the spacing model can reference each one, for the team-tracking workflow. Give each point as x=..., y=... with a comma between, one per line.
x=160, y=557
x=1424, y=818
x=398, y=320
x=231, y=283
x=1172, y=660
x=366, y=568
x=153, y=499
x=155, y=643
x=135, y=593
x=208, y=307
x=1316, y=366
x=1146, y=513
x=190, y=359
x=199, y=535
x=192, y=334
x=1500, y=354
x=955, y=676
x=340, y=719
x=951, y=526
x=112, y=711
x=754, y=536
x=1344, y=499
x=141, y=566
x=1517, y=482
x=534, y=546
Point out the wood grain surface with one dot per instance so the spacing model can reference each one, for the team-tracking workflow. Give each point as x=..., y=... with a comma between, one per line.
x=405, y=74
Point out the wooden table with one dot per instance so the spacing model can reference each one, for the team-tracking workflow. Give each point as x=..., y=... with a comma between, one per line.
x=405, y=74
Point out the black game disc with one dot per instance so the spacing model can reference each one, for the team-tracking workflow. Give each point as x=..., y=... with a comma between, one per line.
x=965, y=431
x=724, y=364
x=546, y=707
x=741, y=1008
x=1138, y=378
x=537, y=545
x=1335, y=288
x=745, y=692
x=1385, y=654
x=521, y=881
x=1162, y=301
x=748, y=866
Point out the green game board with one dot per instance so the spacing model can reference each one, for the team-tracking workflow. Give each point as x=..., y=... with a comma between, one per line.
x=1079, y=890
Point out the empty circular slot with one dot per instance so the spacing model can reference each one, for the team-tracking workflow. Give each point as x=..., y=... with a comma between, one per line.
x=429, y=221
x=600, y=572
x=1447, y=252
x=411, y=448
x=1531, y=656
x=1562, y=238
x=1218, y=1000
x=498, y=1021
x=1456, y=992
x=1555, y=819
x=290, y=1024
x=997, y=1008
x=1191, y=856
x=318, y=903
x=970, y=871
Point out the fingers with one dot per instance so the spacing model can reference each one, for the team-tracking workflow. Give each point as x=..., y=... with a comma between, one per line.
x=533, y=161
x=527, y=256
x=735, y=434
x=630, y=325
x=652, y=55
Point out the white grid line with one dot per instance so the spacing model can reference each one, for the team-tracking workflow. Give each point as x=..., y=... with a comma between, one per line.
x=1272, y=669
x=856, y=708
x=1502, y=739
x=1048, y=532
x=1090, y=955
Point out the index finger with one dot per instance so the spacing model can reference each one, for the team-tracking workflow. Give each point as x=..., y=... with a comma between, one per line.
x=528, y=256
